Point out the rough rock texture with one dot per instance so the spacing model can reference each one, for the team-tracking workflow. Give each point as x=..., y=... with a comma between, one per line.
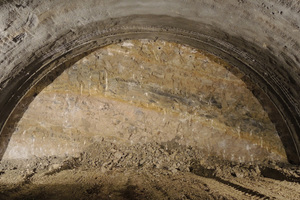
x=261, y=38
x=147, y=92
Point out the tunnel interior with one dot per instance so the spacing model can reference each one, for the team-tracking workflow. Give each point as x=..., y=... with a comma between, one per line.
x=132, y=109
x=149, y=99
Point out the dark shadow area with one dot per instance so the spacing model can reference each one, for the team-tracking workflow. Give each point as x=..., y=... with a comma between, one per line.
x=277, y=175
x=73, y=191
x=96, y=191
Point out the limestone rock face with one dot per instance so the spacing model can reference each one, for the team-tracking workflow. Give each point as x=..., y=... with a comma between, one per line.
x=143, y=91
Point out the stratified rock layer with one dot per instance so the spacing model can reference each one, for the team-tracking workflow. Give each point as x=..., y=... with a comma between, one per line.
x=140, y=92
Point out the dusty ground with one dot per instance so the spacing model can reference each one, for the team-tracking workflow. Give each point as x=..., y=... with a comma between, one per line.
x=150, y=171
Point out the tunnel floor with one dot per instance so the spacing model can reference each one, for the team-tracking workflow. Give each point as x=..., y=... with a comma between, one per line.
x=85, y=177
x=145, y=120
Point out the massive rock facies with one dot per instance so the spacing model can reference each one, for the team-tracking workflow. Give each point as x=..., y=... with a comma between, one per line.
x=143, y=91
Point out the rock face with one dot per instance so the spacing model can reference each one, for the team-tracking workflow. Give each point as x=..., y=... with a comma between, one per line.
x=143, y=92
x=260, y=38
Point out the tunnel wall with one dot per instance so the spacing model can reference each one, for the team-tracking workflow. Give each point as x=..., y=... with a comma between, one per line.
x=260, y=38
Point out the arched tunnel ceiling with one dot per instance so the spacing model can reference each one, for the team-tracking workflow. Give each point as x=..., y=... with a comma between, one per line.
x=38, y=36
x=143, y=92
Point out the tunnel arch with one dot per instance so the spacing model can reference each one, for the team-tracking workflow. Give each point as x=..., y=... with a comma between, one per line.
x=271, y=73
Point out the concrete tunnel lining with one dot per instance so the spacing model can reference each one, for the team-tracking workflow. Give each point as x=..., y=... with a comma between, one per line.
x=257, y=57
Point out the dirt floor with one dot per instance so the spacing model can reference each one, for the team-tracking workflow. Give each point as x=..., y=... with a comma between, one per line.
x=152, y=171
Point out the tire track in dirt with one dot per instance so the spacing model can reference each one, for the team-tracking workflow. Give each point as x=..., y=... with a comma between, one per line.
x=210, y=174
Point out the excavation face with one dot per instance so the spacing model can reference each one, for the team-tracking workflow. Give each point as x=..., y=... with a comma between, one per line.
x=144, y=95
